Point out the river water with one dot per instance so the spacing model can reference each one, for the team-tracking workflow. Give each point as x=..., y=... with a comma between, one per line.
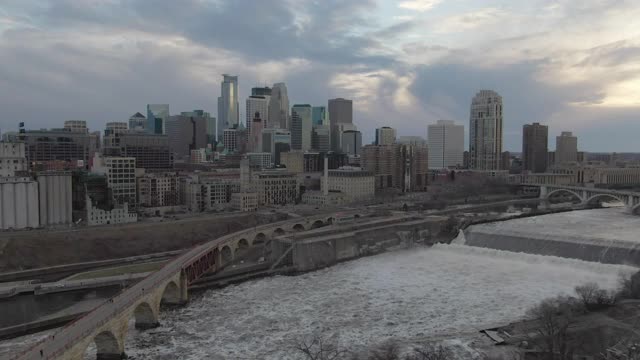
x=445, y=294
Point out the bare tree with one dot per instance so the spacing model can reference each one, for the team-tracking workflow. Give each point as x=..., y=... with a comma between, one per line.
x=317, y=348
x=554, y=317
x=630, y=286
x=388, y=351
x=595, y=298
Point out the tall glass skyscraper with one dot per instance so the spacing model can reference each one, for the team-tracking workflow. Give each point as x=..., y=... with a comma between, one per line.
x=319, y=116
x=157, y=117
x=228, y=105
x=301, y=127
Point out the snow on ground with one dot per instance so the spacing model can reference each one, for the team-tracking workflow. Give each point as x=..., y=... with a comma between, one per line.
x=446, y=292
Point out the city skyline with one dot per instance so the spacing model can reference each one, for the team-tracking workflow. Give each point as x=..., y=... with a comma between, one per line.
x=411, y=61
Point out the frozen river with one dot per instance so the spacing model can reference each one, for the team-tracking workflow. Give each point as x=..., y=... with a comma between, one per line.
x=444, y=293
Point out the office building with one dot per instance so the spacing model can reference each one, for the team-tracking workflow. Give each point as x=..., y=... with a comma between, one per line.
x=186, y=133
x=278, y=107
x=261, y=160
x=446, y=145
x=257, y=104
x=355, y=183
x=321, y=138
x=255, y=135
x=79, y=126
x=403, y=167
x=415, y=140
x=385, y=136
x=115, y=127
x=535, y=139
x=137, y=122
x=228, y=105
x=230, y=139
x=320, y=116
x=566, y=148
x=13, y=159
x=341, y=129
x=151, y=151
x=157, y=116
x=57, y=145
x=485, y=131
x=293, y=161
x=351, y=142
x=261, y=91
x=276, y=141
x=210, y=121
x=301, y=127
x=340, y=112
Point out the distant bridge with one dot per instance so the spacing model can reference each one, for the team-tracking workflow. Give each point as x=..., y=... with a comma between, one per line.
x=108, y=323
x=588, y=196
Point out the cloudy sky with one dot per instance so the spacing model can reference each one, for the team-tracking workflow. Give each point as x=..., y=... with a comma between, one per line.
x=571, y=64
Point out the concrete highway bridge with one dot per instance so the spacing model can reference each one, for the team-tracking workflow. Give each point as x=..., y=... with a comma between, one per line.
x=588, y=196
x=108, y=323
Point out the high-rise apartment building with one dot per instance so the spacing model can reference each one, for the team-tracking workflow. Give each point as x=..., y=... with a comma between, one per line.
x=351, y=141
x=301, y=127
x=446, y=144
x=485, y=131
x=228, y=105
x=278, y=107
x=157, y=116
x=566, y=148
x=137, y=122
x=186, y=133
x=535, y=139
x=257, y=104
x=340, y=112
x=385, y=136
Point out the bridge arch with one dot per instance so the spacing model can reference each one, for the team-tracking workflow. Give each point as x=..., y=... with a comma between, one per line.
x=107, y=346
x=330, y=220
x=260, y=238
x=601, y=196
x=241, y=246
x=556, y=191
x=316, y=224
x=636, y=209
x=145, y=316
x=226, y=254
x=298, y=227
x=171, y=293
x=278, y=232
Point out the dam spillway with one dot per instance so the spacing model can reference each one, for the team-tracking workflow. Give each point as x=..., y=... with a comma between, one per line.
x=601, y=235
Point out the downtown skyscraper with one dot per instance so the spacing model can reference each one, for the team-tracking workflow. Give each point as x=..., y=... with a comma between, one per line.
x=228, y=105
x=535, y=152
x=278, y=107
x=446, y=144
x=485, y=131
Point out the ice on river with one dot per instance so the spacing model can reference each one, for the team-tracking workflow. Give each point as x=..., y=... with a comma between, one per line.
x=445, y=292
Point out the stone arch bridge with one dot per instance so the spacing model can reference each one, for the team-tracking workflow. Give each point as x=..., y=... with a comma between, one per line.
x=588, y=196
x=107, y=324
